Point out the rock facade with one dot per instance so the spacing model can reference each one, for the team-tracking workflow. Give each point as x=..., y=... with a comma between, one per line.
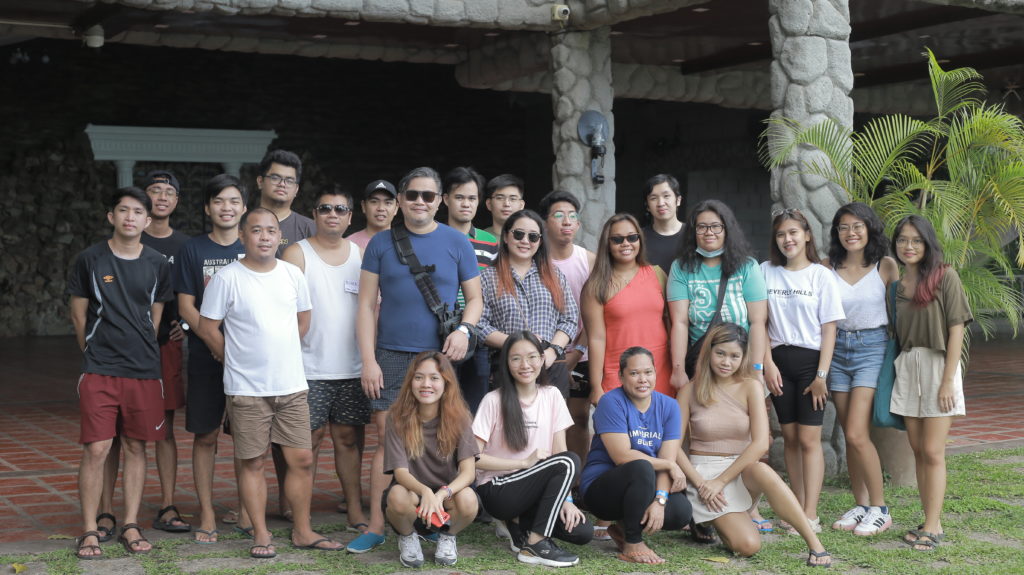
x=811, y=79
x=581, y=72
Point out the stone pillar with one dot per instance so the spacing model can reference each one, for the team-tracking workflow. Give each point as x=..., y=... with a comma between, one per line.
x=232, y=168
x=896, y=455
x=581, y=71
x=811, y=79
x=124, y=173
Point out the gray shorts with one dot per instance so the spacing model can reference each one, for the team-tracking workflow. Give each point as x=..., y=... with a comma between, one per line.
x=339, y=401
x=393, y=364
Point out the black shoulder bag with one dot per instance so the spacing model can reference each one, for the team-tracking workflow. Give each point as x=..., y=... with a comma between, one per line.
x=693, y=352
x=448, y=320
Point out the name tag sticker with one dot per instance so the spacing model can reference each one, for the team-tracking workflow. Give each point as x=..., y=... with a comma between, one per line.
x=352, y=286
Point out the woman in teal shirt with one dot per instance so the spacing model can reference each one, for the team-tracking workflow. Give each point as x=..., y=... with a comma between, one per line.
x=714, y=244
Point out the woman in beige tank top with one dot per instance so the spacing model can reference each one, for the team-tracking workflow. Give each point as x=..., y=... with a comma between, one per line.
x=724, y=412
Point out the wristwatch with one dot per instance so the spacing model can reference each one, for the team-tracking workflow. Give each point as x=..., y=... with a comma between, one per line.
x=463, y=329
x=661, y=497
x=822, y=374
x=559, y=350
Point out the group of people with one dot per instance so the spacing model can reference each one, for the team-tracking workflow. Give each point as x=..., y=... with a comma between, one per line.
x=483, y=356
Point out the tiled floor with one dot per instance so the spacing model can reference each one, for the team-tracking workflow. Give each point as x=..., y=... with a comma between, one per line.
x=39, y=429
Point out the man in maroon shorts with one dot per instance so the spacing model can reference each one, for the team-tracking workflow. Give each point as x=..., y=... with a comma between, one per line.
x=118, y=288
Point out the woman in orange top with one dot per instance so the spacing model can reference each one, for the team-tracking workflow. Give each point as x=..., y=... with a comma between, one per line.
x=623, y=305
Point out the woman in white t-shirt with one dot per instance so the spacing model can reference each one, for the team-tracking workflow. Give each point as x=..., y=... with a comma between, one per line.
x=803, y=308
x=525, y=472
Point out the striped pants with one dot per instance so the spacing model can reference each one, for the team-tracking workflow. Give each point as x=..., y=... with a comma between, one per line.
x=534, y=495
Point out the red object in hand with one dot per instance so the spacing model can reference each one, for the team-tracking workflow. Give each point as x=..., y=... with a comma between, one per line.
x=437, y=520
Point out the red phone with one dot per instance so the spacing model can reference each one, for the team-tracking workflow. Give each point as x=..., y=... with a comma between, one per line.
x=438, y=520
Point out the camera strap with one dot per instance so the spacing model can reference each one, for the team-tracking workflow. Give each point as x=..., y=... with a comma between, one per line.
x=421, y=273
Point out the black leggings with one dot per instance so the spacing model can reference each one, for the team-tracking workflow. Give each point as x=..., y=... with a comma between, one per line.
x=798, y=367
x=534, y=495
x=623, y=494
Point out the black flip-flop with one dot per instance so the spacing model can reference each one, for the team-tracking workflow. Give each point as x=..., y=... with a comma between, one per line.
x=255, y=555
x=703, y=533
x=314, y=545
x=169, y=525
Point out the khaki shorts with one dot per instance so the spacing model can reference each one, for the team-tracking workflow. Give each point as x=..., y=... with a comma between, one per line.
x=256, y=422
x=915, y=393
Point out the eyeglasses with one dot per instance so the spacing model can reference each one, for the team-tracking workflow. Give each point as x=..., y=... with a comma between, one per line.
x=340, y=209
x=914, y=242
x=413, y=195
x=171, y=193
x=571, y=216
x=715, y=228
x=503, y=199
x=631, y=238
x=532, y=358
x=855, y=228
x=518, y=235
x=786, y=212
x=278, y=180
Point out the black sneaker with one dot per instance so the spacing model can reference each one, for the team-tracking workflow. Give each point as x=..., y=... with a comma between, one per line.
x=545, y=552
x=517, y=537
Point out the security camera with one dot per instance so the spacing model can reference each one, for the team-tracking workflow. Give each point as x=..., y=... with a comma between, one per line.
x=560, y=13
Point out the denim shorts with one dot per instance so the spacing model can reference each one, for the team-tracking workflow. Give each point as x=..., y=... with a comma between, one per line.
x=857, y=359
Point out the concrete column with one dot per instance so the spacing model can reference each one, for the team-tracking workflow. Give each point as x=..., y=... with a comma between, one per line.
x=124, y=173
x=581, y=72
x=811, y=79
x=232, y=168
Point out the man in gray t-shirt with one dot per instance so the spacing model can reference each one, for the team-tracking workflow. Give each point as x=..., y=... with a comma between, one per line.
x=280, y=174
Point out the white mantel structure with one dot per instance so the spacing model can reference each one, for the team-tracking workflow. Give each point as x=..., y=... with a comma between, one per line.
x=125, y=145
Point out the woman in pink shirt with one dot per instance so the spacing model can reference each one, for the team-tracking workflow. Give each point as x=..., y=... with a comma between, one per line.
x=525, y=472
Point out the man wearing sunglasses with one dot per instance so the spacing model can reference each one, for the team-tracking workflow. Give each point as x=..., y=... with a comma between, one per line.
x=406, y=325
x=280, y=174
x=329, y=354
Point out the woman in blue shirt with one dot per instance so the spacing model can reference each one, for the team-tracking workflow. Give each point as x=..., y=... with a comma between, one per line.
x=631, y=476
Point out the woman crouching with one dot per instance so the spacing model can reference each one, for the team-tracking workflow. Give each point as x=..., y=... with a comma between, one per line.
x=430, y=449
x=724, y=411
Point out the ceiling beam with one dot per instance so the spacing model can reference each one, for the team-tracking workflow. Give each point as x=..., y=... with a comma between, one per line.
x=1011, y=56
x=894, y=24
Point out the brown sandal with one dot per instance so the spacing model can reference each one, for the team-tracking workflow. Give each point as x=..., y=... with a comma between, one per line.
x=130, y=546
x=81, y=539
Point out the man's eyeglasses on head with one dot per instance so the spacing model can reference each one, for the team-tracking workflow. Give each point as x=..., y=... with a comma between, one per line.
x=278, y=180
x=339, y=209
x=518, y=235
x=413, y=195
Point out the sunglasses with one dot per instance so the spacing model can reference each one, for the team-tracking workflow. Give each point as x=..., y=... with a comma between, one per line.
x=339, y=209
x=785, y=212
x=631, y=238
x=534, y=237
x=413, y=195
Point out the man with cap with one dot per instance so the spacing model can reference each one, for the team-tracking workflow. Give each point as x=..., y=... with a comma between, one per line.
x=164, y=191
x=380, y=204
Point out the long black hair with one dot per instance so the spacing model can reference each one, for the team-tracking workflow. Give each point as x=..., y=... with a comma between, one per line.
x=877, y=246
x=737, y=249
x=511, y=412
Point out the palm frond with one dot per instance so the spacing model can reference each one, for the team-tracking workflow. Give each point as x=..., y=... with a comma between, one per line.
x=955, y=89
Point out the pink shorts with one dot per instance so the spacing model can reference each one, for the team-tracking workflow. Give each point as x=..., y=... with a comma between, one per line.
x=170, y=373
x=112, y=406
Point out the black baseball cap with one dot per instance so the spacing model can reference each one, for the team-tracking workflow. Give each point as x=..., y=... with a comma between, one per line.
x=380, y=186
x=161, y=177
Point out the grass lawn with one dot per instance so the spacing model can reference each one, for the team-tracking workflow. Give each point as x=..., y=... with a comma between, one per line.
x=984, y=524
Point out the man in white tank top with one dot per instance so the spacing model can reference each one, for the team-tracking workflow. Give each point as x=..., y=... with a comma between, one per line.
x=330, y=356
x=560, y=211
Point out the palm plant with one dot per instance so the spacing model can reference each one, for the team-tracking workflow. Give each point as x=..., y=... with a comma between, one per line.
x=963, y=170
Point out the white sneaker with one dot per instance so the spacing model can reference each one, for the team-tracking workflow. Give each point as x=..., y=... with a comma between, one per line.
x=447, y=553
x=410, y=553
x=873, y=523
x=500, y=530
x=850, y=519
